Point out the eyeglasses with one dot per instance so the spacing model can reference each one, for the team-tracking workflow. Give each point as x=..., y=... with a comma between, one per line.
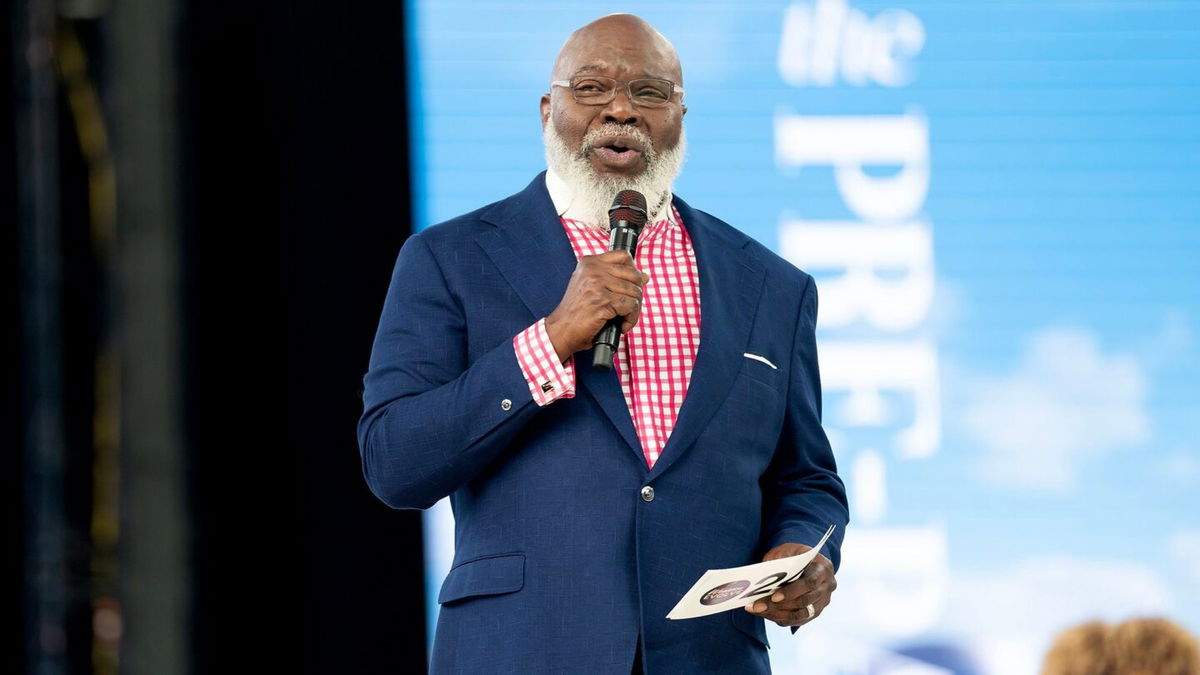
x=649, y=92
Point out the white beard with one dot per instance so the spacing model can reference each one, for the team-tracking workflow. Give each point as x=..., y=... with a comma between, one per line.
x=593, y=192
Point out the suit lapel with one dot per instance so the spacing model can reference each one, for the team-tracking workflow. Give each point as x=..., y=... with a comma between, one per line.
x=534, y=255
x=530, y=247
x=730, y=286
x=532, y=252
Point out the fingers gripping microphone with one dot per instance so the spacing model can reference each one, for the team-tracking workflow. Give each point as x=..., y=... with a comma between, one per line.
x=626, y=217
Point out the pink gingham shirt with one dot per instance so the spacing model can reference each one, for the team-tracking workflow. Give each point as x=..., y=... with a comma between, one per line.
x=654, y=360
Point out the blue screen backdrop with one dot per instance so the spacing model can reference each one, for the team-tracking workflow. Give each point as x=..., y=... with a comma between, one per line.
x=999, y=201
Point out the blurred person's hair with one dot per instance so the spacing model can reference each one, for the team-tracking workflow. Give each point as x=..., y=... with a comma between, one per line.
x=1153, y=647
x=1080, y=650
x=1150, y=646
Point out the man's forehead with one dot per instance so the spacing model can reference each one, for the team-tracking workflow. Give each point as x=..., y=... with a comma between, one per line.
x=618, y=42
x=605, y=68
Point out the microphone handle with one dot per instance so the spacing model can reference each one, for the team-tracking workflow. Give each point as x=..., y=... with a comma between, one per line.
x=623, y=238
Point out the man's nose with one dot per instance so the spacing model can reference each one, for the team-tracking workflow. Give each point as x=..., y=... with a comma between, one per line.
x=621, y=110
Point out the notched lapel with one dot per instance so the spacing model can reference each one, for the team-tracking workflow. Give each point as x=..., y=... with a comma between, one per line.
x=532, y=252
x=606, y=389
x=529, y=247
x=731, y=282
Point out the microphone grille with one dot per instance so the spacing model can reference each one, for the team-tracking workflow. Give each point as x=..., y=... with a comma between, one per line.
x=629, y=206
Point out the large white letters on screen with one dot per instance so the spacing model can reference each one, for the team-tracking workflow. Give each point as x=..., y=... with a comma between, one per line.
x=863, y=255
x=826, y=38
x=850, y=143
x=876, y=276
x=868, y=368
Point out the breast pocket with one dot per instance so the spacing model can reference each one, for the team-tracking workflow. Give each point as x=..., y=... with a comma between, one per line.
x=748, y=424
x=491, y=575
x=762, y=369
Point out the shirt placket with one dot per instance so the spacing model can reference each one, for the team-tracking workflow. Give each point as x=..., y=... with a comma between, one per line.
x=636, y=351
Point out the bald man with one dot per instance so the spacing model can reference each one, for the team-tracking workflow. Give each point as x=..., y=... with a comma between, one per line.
x=586, y=503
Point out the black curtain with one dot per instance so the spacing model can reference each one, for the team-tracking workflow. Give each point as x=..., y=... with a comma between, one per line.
x=48, y=443
x=12, y=414
x=294, y=195
x=296, y=200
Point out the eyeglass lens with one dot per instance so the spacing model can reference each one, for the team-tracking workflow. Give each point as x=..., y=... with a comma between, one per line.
x=595, y=89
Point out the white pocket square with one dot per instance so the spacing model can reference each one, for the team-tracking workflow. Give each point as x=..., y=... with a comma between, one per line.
x=756, y=357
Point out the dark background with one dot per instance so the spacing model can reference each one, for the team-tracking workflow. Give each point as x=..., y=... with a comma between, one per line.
x=292, y=198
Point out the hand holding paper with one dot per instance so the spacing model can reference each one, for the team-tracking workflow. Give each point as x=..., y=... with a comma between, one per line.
x=802, y=600
x=736, y=587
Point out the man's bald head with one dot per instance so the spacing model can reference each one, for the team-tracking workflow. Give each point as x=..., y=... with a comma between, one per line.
x=614, y=40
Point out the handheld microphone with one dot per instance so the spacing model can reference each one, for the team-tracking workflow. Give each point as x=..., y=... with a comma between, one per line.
x=626, y=217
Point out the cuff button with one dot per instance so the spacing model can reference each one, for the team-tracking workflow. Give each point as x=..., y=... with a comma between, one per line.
x=505, y=404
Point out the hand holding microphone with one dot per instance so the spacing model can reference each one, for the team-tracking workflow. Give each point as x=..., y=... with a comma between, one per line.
x=603, y=297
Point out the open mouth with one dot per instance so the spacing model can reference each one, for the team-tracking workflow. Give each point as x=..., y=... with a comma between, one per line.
x=619, y=143
x=618, y=152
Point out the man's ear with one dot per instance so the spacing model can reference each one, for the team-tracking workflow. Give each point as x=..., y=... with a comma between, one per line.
x=545, y=107
x=683, y=108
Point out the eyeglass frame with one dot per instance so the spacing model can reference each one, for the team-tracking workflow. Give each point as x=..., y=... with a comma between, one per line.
x=675, y=88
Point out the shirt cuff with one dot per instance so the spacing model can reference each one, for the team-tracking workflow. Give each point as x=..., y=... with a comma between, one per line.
x=548, y=379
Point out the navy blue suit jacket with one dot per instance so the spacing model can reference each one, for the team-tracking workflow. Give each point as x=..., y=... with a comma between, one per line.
x=559, y=561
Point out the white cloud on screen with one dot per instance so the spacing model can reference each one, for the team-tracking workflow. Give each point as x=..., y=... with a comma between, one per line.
x=1173, y=339
x=1043, y=595
x=1005, y=617
x=950, y=309
x=1010, y=616
x=1066, y=402
x=1184, y=550
x=1180, y=466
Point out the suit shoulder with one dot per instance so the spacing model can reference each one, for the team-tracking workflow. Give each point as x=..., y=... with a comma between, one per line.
x=459, y=228
x=779, y=267
x=776, y=266
x=466, y=226
x=787, y=288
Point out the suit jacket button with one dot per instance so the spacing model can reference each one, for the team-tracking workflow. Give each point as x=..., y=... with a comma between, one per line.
x=505, y=404
x=647, y=494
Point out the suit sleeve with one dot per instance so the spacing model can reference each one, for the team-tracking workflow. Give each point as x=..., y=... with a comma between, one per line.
x=430, y=420
x=802, y=490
